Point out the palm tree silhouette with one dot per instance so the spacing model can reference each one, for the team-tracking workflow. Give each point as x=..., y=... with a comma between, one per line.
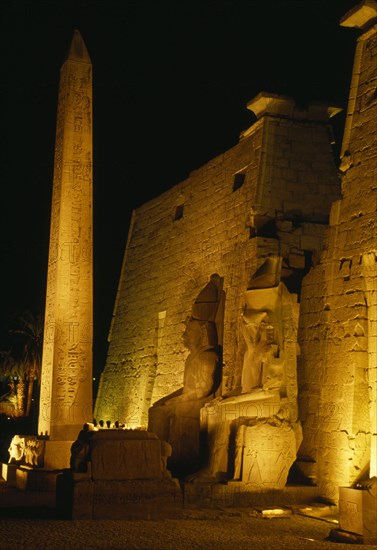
x=26, y=348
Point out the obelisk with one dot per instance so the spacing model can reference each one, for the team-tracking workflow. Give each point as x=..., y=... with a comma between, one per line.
x=66, y=380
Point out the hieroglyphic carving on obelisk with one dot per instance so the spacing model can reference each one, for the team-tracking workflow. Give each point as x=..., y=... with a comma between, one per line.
x=66, y=382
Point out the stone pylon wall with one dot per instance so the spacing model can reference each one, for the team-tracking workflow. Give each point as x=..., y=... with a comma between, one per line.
x=268, y=195
x=338, y=319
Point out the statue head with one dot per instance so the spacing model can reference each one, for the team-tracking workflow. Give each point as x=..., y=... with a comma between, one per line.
x=199, y=334
x=16, y=449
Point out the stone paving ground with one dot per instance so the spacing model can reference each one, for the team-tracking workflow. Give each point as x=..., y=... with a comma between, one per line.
x=218, y=530
x=38, y=526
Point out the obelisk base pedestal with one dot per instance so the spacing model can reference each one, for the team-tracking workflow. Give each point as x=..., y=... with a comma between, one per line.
x=57, y=455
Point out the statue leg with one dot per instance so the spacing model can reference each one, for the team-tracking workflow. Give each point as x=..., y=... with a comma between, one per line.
x=238, y=455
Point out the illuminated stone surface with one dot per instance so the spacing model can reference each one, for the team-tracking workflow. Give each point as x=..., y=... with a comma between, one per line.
x=176, y=418
x=271, y=195
x=35, y=480
x=338, y=315
x=116, y=454
x=360, y=15
x=128, y=499
x=26, y=450
x=125, y=478
x=8, y=473
x=222, y=418
x=253, y=437
x=358, y=511
x=278, y=210
x=66, y=383
x=268, y=453
x=236, y=494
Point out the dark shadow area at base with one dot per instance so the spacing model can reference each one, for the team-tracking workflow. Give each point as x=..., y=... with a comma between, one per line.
x=29, y=512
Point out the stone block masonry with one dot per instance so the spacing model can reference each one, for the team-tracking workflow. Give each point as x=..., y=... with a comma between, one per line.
x=271, y=195
x=263, y=197
x=338, y=321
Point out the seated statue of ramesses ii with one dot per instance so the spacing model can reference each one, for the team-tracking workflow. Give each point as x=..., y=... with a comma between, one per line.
x=176, y=417
x=262, y=407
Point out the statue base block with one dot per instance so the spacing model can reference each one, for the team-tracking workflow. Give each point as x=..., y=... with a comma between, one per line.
x=239, y=495
x=39, y=452
x=128, y=499
x=123, y=475
x=358, y=513
x=123, y=454
x=56, y=454
x=8, y=473
x=35, y=480
x=268, y=452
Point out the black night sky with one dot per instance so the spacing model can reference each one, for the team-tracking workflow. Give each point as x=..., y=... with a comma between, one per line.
x=170, y=85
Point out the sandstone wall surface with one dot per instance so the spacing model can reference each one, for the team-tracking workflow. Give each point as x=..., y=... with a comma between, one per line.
x=338, y=318
x=268, y=195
